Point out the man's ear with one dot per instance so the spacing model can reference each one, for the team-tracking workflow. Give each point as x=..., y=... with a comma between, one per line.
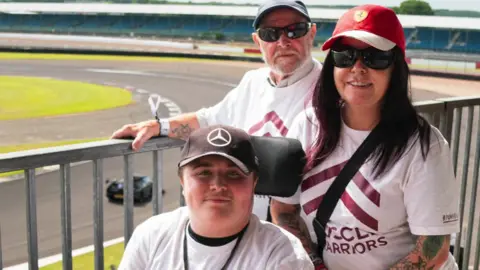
x=256, y=39
x=313, y=31
x=180, y=174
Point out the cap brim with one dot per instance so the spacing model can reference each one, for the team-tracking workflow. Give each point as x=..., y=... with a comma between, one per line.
x=236, y=161
x=259, y=18
x=371, y=39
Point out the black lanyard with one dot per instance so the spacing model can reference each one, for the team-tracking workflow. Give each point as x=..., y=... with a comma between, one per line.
x=185, y=248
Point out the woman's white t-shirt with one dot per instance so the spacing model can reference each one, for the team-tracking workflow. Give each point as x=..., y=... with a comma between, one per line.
x=374, y=224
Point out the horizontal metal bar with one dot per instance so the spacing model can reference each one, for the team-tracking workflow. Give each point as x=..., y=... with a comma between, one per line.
x=78, y=152
x=430, y=106
x=458, y=102
x=32, y=238
x=66, y=217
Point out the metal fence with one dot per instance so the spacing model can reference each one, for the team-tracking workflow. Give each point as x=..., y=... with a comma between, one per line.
x=457, y=118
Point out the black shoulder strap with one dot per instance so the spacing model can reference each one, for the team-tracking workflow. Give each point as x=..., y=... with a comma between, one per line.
x=335, y=191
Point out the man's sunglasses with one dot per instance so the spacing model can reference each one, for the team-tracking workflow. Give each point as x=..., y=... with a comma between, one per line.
x=293, y=31
x=345, y=57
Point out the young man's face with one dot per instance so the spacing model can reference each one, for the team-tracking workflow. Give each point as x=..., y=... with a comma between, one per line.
x=285, y=55
x=217, y=191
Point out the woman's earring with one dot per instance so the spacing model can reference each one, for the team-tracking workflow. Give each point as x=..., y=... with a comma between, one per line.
x=340, y=103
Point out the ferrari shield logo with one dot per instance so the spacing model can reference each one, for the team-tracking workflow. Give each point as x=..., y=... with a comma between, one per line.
x=360, y=15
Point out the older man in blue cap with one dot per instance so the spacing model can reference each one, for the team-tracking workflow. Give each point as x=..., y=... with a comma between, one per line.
x=267, y=99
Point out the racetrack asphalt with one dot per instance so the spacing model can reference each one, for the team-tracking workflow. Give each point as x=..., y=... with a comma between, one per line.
x=191, y=85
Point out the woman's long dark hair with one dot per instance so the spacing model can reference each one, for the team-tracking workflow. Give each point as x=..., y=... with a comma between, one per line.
x=399, y=118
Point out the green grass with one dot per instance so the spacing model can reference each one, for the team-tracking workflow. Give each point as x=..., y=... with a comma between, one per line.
x=28, y=97
x=112, y=255
x=30, y=146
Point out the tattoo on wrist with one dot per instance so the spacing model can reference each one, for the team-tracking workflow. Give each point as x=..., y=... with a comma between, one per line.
x=182, y=131
x=432, y=245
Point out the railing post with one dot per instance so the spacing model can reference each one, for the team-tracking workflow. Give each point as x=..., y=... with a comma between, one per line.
x=473, y=199
x=1, y=260
x=128, y=197
x=31, y=219
x=445, y=125
x=66, y=216
x=456, y=137
x=98, y=213
x=466, y=160
x=157, y=200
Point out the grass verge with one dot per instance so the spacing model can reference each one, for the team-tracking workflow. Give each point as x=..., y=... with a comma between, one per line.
x=48, y=56
x=112, y=256
x=29, y=97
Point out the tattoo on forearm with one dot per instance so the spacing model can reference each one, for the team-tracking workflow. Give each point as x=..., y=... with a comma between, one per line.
x=182, y=131
x=429, y=253
x=432, y=245
x=293, y=223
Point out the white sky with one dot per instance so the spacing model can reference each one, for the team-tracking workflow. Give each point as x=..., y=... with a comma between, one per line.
x=435, y=4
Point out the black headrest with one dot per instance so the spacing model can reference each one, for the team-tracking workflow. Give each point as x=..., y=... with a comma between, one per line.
x=281, y=164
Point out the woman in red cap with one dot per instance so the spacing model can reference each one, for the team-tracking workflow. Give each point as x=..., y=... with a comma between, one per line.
x=397, y=209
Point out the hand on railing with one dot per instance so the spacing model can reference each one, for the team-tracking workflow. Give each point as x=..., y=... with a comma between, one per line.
x=141, y=132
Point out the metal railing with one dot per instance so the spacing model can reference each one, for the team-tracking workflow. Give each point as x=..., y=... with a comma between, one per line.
x=95, y=152
x=448, y=115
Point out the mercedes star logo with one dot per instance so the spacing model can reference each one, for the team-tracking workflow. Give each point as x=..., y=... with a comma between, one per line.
x=219, y=137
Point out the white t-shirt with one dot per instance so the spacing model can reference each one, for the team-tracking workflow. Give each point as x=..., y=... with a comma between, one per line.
x=262, y=109
x=157, y=244
x=374, y=223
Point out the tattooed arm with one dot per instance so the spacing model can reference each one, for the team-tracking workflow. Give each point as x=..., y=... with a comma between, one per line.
x=288, y=217
x=430, y=253
x=180, y=128
x=182, y=125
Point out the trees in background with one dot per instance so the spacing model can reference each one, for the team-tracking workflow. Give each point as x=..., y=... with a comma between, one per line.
x=414, y=7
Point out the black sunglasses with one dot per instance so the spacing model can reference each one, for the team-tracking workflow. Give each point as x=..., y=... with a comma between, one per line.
x=293, y=31
x=345, y=57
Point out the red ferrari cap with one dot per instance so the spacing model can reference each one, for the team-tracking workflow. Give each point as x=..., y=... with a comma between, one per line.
x=375, y=25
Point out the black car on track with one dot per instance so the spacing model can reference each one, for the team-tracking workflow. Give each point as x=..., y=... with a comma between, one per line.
x=142, y=189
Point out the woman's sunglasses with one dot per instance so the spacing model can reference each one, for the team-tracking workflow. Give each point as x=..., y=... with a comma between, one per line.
x=370, y=57
x=293, y=31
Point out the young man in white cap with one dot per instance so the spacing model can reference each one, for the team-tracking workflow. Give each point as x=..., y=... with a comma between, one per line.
x=216, y=230
x=266, y=99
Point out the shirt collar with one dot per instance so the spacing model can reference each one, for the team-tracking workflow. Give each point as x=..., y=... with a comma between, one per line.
x=300, y=73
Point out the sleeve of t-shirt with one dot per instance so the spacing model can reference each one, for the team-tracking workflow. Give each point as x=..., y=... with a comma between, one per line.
x=431, y=192
x=135, y=255
x=223, y=112
x=298, y=130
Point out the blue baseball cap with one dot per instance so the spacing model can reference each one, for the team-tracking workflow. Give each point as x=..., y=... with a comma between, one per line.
x=270, y=5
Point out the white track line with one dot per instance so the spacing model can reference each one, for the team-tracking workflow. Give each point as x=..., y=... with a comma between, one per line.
x=58, y=258
x=120, y=71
